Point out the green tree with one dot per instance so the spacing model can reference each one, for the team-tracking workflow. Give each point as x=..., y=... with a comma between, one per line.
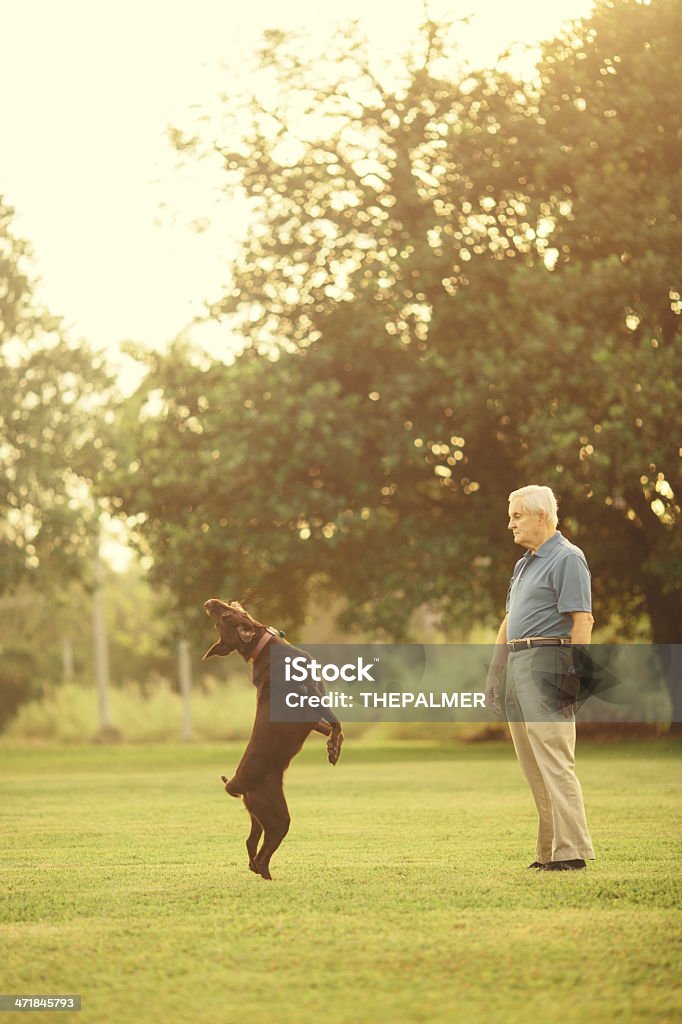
x=610, y=103
x=49, y=444
x=48, y=429
x=452, y=286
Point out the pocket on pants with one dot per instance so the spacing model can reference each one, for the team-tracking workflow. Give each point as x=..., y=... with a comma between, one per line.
x=538, y=681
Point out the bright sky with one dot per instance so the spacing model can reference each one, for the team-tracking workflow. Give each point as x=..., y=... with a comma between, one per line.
x=88, y=89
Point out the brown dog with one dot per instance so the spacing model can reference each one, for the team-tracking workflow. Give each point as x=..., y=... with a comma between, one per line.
x=259, y=775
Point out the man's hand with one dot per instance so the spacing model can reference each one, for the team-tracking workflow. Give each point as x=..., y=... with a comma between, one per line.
x=492, y=694
x=496, y=670
x=566, y=707
x=569, y=688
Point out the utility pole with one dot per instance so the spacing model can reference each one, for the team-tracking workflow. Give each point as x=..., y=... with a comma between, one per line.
x=67, y=659
x=185, y=679
x=99, y=634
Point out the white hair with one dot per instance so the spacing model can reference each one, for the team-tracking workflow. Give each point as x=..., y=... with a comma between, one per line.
x=536, y=498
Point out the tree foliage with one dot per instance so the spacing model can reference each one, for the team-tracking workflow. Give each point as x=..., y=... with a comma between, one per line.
x=49, y=441
x=453, y=285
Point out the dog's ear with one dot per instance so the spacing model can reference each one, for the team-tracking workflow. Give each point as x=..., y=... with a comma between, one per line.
x=246, y=633
x=220, y=647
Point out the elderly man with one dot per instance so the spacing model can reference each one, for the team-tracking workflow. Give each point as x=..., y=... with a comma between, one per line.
x=549, y=611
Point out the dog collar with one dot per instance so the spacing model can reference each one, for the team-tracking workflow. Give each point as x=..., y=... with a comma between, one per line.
x=266, y=638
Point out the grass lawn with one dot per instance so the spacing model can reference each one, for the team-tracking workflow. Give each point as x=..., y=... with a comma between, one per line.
x=401, y=893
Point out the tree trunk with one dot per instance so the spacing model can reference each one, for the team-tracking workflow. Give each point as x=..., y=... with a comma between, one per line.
x=665, y=612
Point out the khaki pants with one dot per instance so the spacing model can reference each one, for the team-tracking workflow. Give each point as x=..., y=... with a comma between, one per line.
x=545, y=745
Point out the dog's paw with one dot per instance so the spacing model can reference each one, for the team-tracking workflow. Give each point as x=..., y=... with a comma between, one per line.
x=334, y=749
x=226, y=783
x=231, y=787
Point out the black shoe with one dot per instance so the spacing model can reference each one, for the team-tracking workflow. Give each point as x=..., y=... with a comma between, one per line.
x=565, y=865
x=537, y=864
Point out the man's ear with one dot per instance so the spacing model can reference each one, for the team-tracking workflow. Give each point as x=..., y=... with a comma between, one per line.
x=246, y=633
x=219, y=647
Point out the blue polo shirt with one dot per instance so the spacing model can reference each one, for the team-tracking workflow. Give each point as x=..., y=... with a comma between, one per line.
x=545, y=586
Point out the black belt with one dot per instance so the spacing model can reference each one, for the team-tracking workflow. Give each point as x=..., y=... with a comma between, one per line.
x=547, y=641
